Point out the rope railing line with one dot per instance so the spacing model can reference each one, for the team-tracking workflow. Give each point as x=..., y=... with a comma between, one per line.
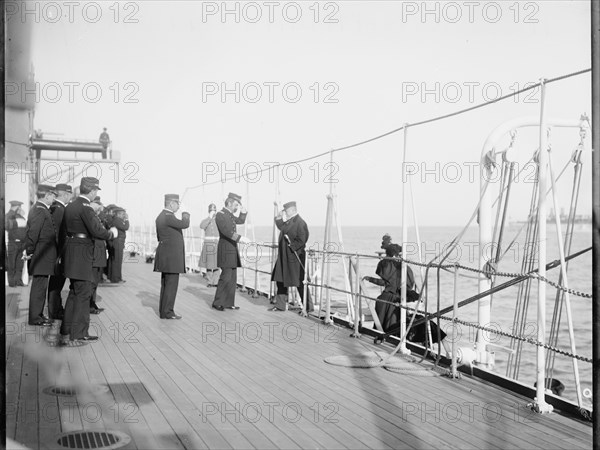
x=406, y=125
x=465, y=323
x=487, y=273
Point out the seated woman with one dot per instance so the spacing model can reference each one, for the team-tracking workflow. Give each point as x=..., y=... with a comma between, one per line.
x=390, y=273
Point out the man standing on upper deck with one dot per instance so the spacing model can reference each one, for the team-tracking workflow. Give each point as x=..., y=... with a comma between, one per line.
x=82, y=226
x=64, y=193
x=228, y=257
x=104, y=139
x=170, y=254
x=291, y=258
x=40, y=248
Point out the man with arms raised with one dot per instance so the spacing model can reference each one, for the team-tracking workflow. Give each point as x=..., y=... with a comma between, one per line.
x=170, y=254
x=228, y=257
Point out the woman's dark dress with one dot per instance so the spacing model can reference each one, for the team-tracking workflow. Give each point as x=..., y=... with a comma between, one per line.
x=390, y=271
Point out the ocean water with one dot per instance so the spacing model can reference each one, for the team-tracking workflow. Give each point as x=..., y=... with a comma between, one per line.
x=433, y=240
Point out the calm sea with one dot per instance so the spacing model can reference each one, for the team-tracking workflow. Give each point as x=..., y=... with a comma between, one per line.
x=367, y=241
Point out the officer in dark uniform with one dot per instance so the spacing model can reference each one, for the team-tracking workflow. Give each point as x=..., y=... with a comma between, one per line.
x=115, y=263
x=40, y=247
x=82, y=226
x=107, y=218
x=170, y=254
x=100, y=260
x=228, y=257
x=15, y=223
x=64, y=193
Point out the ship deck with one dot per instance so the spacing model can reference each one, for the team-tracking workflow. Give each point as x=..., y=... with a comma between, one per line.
x=244, y=379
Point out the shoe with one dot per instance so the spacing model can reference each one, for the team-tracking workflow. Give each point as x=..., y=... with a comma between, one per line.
x=218, y=307
x=19, y=283
x=122, y=281
x=232, y=307
x=45, y=318
x=274, y=308
x=87, y=339
x=41, y=323
x=95, y=311
x=175, y=316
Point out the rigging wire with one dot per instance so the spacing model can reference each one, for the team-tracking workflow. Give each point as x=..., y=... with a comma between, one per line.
x=406, y=125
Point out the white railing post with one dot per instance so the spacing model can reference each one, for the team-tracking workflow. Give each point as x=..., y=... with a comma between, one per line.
x=540, y=404
x=357, y=297
x=403, y=348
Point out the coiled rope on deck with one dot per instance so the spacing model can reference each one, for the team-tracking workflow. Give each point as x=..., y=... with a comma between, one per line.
x=400, y=364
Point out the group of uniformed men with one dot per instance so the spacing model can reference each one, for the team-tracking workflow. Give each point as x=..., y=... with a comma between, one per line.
x=66, y=237
x=170, y=253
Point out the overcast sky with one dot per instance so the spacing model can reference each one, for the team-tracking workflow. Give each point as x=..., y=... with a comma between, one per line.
x=188, y=91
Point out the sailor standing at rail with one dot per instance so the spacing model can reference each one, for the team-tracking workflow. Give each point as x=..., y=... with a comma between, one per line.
x=82, y=227
x=170, y=254
x=15, y=223
x=64, y=193
x=208, y=257
x=40, y=248
x=228, y=257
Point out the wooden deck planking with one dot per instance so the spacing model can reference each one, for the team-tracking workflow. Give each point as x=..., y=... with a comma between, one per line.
x=235, y=386
x=174, y=370
x=538, y=429
x=165, y=376
x=218, y=315
x=179, y=363
x=14, y=361
x=148, y=400
x=135, y=407
x=360, y=419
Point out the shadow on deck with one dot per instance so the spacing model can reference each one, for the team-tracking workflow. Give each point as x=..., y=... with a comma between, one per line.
x=244, y=379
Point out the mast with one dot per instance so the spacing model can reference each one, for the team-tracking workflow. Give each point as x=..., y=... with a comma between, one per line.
x=595, y=13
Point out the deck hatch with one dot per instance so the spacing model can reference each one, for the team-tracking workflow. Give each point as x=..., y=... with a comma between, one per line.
x=72, y=391
x=93, y=439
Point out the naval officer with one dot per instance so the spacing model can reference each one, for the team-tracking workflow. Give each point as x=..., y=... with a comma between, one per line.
x=64, y=193
x=82, y=226
x=40, y=248
x=228, y=256
x=170, y=254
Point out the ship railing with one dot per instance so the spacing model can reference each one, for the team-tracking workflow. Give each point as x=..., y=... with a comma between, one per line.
x=359, y=302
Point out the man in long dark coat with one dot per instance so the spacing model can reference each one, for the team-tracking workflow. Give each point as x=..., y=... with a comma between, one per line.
x=40, y=247
x=170, y=254
x=15, y=223
x=288, y=271
x=228, y=257
x=82, y=227
x=64, y=192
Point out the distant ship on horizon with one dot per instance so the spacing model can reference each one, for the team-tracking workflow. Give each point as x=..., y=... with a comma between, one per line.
x=551, y=219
